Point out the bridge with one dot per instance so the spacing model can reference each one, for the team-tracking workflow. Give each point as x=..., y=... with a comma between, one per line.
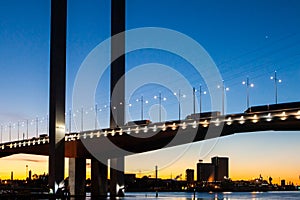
x=130, y=139
x=142, y=138
x=153, y=136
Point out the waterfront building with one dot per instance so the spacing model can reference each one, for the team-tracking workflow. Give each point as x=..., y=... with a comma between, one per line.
x=189, y=175
x=205, y=172
x=221, y=167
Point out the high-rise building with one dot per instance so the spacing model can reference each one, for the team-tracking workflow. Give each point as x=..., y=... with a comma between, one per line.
x=189, y=175
x=221, y=167
x=205, y=172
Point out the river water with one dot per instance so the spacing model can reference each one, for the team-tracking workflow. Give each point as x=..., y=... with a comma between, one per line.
x=291, y=195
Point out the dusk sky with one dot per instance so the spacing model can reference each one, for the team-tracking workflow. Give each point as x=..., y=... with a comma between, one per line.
x=243, y=37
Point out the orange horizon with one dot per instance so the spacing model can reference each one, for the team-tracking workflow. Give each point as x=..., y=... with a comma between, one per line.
x=39, y=165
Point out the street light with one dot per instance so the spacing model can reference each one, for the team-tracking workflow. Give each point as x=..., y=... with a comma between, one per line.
x=9, y=127
x=18, y=130
x=248, y=85
x=142, y=106
x=200, y=99
x=276, y=80
x=27, y=128
x=179, y=95
x=160, y=98
x=70, y=120
x=224, y=89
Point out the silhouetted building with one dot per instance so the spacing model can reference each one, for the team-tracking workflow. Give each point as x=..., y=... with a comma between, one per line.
x=283, y=182
x=205, y=172
x=189, y=175
x=221, y=167
x=29, y=175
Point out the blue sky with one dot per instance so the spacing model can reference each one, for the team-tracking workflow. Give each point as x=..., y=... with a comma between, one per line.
x=244, y=38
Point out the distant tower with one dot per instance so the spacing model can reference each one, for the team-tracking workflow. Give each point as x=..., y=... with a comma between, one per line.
x=26, y=175
x=205, y=172
x=221, y=167
x=189, y=175
x=29, y=176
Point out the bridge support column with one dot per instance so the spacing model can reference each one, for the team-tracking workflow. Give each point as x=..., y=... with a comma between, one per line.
x=57, y=93
x=117, y=116
x=117, y=185
x=98, y=178
x=77, y=176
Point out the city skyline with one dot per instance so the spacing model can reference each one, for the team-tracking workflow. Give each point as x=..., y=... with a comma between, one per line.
x=263, y=38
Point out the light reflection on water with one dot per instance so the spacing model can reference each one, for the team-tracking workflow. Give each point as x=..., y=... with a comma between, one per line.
x=293, y=195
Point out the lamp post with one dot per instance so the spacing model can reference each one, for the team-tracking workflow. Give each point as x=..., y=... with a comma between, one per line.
x=194, y=100
x=276, y=80
x=224, y=89
x=160, y=99
x=27, y=129
x=81, y=113
x=70, y=120
x=18, y=130
x=179, y=95
x=142, y=106
x=9, y=127
x=200, y=99
x=248, y=85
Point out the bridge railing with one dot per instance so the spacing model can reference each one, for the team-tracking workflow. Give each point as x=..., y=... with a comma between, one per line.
x=241, y=118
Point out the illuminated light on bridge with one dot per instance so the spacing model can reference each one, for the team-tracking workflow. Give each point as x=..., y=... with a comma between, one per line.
x=164, y=127
x=84, y=136
x=269, y=117
x=2, y=147
x=217, y=122
x=11, y=145
x=283, y=116
x=194, y=124
x=205, y=124
x=98, y=134
x=20, y=144
x=121, y=132
x=145, y=129
x=137, y=130
x=112, y=132
x=128, y=131
x=154, y=128
x=28, y=143
x=183, y=125
x=105, y=133
x=242, y=120
x=15, y=145
x=24, y=143
x=91, y=135
x=298, y=115
x=174, y=127
x=229, y=121
x=33, y=142
x=255, y=119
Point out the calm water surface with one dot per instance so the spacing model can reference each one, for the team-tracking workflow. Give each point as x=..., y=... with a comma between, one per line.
x=293, y=195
